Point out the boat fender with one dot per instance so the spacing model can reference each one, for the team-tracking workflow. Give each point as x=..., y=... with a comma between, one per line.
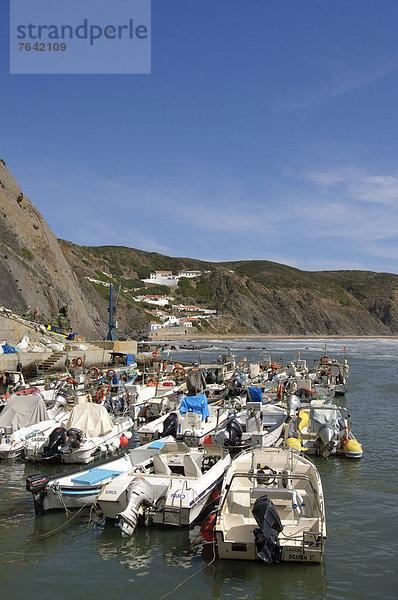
x=79, y=361
x=207, y=530
x=299, y=504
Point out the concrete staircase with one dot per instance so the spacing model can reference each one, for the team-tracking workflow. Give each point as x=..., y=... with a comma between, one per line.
x=50, y=364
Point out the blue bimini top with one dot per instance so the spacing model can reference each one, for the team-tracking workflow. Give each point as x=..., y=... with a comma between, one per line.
x=197, y=404
x=254, y=394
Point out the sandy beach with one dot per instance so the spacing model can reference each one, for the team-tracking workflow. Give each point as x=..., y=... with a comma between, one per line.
x=261, y=336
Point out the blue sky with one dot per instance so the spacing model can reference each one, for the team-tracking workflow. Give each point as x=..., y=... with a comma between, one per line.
x=267, y=130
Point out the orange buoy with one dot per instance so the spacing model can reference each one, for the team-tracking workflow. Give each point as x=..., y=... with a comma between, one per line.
x=123, y=440
x=207, y=529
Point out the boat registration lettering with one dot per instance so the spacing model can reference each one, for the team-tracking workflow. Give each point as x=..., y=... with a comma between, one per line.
x=110, y=492
x=177, y=495
x=298, y=555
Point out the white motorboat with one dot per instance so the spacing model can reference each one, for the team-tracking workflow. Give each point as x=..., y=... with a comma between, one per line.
x=272, y=508
x=256, y=425
x=191, y=423
x=174, y=490
x=25, y=417
x=81, y=488
x=152, y=397
x=89, y=433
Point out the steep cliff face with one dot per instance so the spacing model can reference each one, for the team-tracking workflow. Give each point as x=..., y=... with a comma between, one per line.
x=33, y=269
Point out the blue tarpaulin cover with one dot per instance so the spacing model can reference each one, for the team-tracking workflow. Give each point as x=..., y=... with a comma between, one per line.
x=254, y=394
x=156, y=445
x=94, y=476
x=197, y=404
x=7, y=349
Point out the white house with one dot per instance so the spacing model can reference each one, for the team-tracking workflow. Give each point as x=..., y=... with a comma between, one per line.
x=167, y=277
x=188, y=308
x=154, y=326
x=185, y=323
x=162, y=278
x=158, y=300
x=189, y=274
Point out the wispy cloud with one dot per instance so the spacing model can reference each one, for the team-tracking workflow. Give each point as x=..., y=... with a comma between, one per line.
x=322, y=218
x=338, y=79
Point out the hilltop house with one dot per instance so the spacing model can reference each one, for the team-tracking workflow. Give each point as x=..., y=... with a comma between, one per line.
x=167, y=277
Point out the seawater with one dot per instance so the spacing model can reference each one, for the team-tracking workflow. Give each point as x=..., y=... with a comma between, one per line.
x=82, y=559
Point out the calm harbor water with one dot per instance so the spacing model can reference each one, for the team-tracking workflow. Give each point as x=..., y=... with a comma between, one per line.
x=83, y=559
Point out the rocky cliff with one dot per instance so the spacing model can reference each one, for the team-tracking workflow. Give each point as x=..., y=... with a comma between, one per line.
x=50, y=275
x=33, y=268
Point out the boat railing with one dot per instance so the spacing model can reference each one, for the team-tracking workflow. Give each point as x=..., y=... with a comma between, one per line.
x=259, y=478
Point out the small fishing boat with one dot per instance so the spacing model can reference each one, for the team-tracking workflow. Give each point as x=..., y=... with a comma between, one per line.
x=191, y=423
x=81, y=487
x=89, y=433
x=323, y=430
x=172, y=490
x=25, y=417
x=272, y=508
x=331, y=372
x=256, y=425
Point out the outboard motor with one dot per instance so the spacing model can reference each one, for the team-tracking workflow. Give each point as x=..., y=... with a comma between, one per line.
x=326, y=435
x=75, y=437
x=233, y=430
x=293, y=404
x=170, y=425
x=60, y=401
x=164, y=405
x=266, y=536
x=139, y=492
x=56, y=444
x=211, y=377
x=37, y=484
x=108, y=404
x=303, y=393
x=118, y=405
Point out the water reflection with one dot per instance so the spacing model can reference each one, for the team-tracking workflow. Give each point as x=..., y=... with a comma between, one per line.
x=245, y=579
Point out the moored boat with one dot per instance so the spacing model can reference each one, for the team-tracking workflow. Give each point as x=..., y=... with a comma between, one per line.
x=174, y=490
x=272, y=508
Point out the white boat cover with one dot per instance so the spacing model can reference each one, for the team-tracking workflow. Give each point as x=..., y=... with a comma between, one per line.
x=22, y=411
x=330, y=416
x=92, y=419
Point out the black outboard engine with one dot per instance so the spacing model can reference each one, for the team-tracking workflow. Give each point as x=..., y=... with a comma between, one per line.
x=57, y=443
x=170, y=425
x=233, y=429
x=108, y=404
x=37, y=484
x=75, y=437
x=303, y=394
x=266, y=537
x=211, y=377
x=118, y=405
